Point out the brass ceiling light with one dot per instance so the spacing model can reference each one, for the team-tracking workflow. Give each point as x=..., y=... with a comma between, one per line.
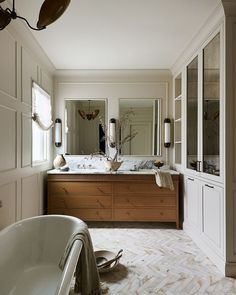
x=50, y=11
x=90, y=115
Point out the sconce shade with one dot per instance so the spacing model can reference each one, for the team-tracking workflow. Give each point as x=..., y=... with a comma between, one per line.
x=51, y=11
x=112, y=132
x=5, y=18
x=167, y=141
x=58, y=133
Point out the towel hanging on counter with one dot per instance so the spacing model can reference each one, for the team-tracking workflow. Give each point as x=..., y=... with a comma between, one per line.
x=164, y=179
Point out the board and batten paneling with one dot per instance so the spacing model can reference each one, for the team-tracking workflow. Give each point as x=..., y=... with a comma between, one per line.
x=8, y=64
x=21, y=183
x=8, y=204
x=30, y=197
x=8, y=138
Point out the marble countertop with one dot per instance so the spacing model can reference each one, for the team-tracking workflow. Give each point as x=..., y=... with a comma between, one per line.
x=119, y=172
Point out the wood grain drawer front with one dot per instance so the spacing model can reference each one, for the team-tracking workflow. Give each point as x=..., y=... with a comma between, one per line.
x=85, y=214
x=144, y=215
x=80, y=188
x=150, y=188
x=74, y=201
x=142, y=200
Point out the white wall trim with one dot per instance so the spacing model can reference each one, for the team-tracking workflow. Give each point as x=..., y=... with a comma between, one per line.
x=204, y=33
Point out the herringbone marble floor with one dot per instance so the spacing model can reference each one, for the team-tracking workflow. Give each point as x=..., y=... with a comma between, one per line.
x=158, y=261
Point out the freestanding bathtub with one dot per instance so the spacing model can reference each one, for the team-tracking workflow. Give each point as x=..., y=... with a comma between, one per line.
x=30, y=251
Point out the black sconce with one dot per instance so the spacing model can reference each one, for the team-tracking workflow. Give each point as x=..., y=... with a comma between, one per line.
x=58, y=132
x=167, y=141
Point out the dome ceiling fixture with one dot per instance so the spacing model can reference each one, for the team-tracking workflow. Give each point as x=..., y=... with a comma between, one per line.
x=50, y=11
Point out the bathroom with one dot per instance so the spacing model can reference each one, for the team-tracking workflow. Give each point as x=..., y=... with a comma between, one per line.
x=175, y=58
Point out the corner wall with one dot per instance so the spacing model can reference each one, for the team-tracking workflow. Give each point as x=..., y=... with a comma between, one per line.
x=21, y=185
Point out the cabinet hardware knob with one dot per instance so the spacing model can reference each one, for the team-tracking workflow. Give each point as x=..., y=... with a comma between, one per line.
x=65, y=190
x=210, y=186
x=161, y=201
x=192, y=179
x=161, y=213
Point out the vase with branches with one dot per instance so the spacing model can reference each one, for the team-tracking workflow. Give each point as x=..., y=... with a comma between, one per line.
x=112, y=162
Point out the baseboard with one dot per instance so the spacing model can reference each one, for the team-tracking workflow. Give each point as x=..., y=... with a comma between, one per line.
x=230, y=269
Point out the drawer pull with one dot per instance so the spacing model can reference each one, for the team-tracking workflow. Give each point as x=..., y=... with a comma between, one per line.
x=65, y=190
x=192, y=179
x=161, y=213
x=161, y=201
x=210, y=186
x=1, y=204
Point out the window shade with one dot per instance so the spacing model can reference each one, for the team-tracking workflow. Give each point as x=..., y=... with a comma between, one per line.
x=41, y=107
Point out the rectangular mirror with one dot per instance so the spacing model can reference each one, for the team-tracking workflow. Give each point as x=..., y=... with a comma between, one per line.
x=144, y=119
x=83, y=128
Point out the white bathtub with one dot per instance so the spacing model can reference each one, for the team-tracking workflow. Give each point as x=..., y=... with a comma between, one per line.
x=30, y=251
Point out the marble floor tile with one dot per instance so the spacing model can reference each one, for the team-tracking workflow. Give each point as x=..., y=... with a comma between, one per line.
x=159, y=260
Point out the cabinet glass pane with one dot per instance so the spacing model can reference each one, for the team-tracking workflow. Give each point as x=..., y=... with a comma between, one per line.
x=192, y=114
x=211, y=106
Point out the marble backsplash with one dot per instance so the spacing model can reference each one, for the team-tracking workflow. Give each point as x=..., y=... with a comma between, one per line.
x=97, y=162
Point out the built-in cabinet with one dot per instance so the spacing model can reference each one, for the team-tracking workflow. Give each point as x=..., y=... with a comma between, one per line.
x=203, y=97
x=202, y=145
x=178, y=120
x=204, y=217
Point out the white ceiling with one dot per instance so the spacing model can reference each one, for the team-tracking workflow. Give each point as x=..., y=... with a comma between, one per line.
x=119, y=34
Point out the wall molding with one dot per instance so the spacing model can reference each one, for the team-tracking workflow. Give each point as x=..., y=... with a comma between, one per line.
x=214, y=21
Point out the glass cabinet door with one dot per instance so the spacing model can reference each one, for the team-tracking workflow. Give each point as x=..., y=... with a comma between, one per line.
x=211, y=106
x=192, y=114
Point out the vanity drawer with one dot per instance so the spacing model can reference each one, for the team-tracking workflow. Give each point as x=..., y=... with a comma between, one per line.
x=134, y=187
x=143, y=200
x=145, y=214
x=80, y=188
x=74, y=201
x=85, y=214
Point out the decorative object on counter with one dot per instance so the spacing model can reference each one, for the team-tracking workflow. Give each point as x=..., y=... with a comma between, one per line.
x=90, y=115
x=167, y=141
x=59, y=161
x=58, y=132
x=158, y=164
x=64, y=168
x=111, y=165
x=107, y=260
x=50, y=11
x=112, y=133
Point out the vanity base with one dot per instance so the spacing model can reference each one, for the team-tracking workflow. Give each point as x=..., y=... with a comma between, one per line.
x=113, y=198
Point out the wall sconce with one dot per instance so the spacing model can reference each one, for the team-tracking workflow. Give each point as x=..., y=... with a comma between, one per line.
x=112, y=132
x=58, y=133
x=167, y=141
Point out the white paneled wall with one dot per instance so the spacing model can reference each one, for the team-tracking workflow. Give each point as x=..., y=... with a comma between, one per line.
x=21, y=184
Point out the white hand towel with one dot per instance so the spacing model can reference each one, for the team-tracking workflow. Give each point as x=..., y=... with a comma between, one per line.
x=164, y=179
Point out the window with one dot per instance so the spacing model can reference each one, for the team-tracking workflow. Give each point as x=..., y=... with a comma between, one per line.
x=41, y=124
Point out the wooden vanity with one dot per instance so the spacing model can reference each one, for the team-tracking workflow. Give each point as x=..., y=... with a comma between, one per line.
x=113, y=197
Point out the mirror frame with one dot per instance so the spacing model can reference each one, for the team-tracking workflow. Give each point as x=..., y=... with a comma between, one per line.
x=83, y=99
x=159, y=127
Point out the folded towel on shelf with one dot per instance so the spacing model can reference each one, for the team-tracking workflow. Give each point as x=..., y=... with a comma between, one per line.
x=164, y=179
x=87, y=280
